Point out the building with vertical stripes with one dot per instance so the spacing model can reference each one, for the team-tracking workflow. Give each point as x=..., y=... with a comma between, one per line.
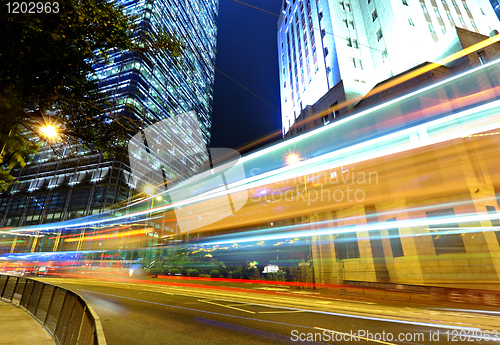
x=146, y=88
x=346, y=47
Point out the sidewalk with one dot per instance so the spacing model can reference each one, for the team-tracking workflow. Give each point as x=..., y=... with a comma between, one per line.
x=19, y=327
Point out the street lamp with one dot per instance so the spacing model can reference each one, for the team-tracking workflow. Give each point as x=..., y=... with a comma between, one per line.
x=292, y=158
x=49, y=131
x=148, y=190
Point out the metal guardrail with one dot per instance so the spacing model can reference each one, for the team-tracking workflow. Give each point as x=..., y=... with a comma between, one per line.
x=64, y=313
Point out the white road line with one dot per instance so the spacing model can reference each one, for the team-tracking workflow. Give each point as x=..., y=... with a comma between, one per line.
x=282, y=312
x=226, y=306
x=235, y=305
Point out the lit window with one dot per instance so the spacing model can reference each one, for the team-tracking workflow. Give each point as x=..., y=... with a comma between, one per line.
x=355, y=44
x=410, y=21
x=379, y=34
x=445, y=243
x=405, y=2
x=395, y=240
x=346, y=246
x=349, y=43
x=374, y=15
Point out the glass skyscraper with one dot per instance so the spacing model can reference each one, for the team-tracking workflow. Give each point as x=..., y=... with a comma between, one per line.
x=145, y=88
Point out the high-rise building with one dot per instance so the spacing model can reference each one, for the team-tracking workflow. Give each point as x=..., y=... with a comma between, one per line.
x=346, y=47
x=496, y=7
x=145, y=88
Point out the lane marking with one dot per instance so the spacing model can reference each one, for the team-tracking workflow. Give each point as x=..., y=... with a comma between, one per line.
x=368, y=339
x=235, y=305
x=287, y=310
x=281, y=312
x=253, y=331
x=415, y=323
x=227, y=306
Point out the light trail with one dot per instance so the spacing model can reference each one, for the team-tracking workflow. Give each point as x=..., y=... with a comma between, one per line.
x=414, y=223
x=373, y=134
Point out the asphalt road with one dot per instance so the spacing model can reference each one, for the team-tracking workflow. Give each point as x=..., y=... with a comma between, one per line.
x=145, y=313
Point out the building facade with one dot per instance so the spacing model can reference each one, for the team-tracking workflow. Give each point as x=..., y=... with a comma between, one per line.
x=147, y=89
x=362, y=43
x=496, y=7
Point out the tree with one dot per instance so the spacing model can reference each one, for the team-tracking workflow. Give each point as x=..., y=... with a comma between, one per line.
x=47, y=75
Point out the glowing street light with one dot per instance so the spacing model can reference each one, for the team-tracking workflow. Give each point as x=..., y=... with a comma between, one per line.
x=148, y=190
x=49, y=131
x=292, y=158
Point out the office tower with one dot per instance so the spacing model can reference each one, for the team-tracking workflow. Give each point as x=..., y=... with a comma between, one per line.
x=496, y=7
x=145, y=89
x=346, y=47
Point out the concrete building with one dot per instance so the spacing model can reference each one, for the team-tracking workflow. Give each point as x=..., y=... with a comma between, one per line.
x=426, y=181
x=361, y=43
x=321, y=113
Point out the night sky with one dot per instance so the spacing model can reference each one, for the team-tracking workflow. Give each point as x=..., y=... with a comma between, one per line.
x=248, y=53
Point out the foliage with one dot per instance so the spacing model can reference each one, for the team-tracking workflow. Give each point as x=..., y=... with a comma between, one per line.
x=277, y=276
x=178, y=258
x=215, y=273
x=174, y=271
x=193, y=273
x=47, y=76
x=224, y=271
x=155, y=271
x=236, y=274
x=6, y=180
